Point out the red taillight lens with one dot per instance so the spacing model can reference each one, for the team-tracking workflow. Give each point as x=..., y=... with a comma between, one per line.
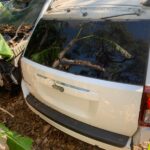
x=144, y=119
x=148, y=103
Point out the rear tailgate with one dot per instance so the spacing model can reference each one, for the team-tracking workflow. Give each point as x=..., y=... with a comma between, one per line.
x=91, y=71
x=107, y=105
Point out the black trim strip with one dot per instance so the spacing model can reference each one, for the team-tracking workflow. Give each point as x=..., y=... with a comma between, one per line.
x=77, y=126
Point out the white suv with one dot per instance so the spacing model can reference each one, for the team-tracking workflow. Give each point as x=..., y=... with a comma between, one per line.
x=86, y=71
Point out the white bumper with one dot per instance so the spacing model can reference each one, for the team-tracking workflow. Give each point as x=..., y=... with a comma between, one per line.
x=70, y=132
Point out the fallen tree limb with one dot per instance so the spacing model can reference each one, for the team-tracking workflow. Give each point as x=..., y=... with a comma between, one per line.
x=61, y=55
x=5, y=111
x=116, y=46
x=66, y=61
x=66, y=49
x=16, y=34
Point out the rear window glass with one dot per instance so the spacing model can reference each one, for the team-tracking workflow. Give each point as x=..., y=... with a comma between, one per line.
x=114, y=51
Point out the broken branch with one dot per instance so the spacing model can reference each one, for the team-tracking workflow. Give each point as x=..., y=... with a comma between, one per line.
x=66, y=49
x=61, y=55
x=16, y=34
x=66, y=61
x=5, y=111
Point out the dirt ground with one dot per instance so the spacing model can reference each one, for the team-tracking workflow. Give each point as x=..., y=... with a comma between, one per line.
x=25, y=122
x=45, y=136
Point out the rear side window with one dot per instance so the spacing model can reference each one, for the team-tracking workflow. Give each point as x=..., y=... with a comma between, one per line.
x=114, y=51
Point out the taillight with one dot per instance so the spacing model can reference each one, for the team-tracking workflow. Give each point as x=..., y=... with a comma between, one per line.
x=144, y=119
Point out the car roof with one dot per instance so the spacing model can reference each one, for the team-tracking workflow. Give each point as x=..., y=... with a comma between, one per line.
x=70, y=3
x=96, y=9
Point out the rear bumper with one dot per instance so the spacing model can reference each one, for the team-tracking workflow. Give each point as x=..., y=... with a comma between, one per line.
x=75, y=128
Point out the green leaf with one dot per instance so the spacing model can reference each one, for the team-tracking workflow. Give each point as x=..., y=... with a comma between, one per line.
x=16, y=141
x=1, y=5
x=49, y=54
x=2, y=126
x=5, y=50
x=149, y=147
x=117, y=47
x=120, y=49
x=4, y=12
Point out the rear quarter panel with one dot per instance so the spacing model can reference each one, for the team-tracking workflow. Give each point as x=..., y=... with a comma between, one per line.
x=148, y=72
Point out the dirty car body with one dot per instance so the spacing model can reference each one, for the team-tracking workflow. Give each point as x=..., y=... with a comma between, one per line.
x=86, y=70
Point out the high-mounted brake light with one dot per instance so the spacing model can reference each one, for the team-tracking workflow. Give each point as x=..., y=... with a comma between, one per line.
x=144, y=119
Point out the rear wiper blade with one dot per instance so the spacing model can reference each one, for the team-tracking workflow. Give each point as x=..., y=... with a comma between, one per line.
x=137, y=13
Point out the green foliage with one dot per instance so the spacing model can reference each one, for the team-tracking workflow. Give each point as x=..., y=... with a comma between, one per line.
x=40, y=56
x=47, y=55
x=9, y=14
x=4, y=12
x=14, y=140
x=1, y=5
x=149, y=147
x=5, y=50
x=116, y=46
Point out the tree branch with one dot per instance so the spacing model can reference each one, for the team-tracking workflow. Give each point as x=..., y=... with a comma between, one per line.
x=66, y=61
x=5, y=111
x=66, y=49
x=16, y=34
x=62, y=53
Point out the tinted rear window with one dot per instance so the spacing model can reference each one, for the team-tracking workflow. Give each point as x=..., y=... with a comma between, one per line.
x=114, y=51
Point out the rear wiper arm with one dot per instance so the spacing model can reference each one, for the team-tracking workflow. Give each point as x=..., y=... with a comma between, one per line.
x=138, y=13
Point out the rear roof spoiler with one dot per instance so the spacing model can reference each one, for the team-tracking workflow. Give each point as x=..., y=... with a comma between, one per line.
x=145, y=2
